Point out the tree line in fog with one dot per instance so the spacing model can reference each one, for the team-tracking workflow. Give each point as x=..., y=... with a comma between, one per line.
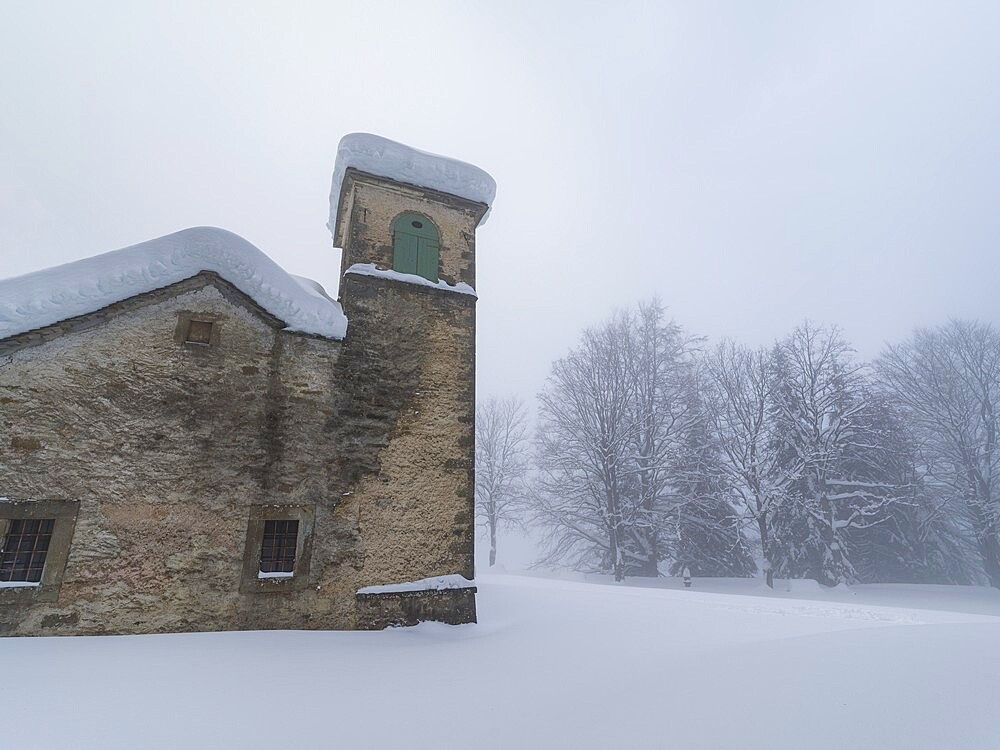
x=652, y=451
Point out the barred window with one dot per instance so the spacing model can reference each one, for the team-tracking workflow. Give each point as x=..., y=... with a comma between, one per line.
x=277, y=550
x=22, y=557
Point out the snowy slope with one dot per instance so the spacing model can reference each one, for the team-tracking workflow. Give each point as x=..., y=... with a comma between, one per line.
x=53, y=294
x=553, y=664
x=380, y=156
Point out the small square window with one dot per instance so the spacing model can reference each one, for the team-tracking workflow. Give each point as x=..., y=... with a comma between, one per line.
x=25, y=546
x=277, y=549
x=199, y=332
x=35, y=537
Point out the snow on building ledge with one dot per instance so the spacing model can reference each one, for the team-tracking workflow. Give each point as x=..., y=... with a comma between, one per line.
x=437, y=583
x=384, y=158
x=369, y=269
x=54, y=294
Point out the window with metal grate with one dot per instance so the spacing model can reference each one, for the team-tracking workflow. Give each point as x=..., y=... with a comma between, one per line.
x=277, y=550
x=22, y=557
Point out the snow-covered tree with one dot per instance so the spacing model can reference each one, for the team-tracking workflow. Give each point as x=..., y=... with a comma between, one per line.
x=501, y=445
x=704, y=532
x=664, y=412
x=910, y=544
x=615, y=418
x=650, y=456
x=583, y=444
x=826, y=427
x=946, y=381
x=743, y=417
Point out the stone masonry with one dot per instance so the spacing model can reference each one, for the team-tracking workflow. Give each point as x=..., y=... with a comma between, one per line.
x=165, y=456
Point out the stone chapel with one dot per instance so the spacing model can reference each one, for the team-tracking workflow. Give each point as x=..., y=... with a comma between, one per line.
x=193, y=439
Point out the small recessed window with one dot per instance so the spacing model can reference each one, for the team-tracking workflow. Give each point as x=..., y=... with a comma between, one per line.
x=417, y=224
x=199, y=332
x=277, y=549
x=25, y=546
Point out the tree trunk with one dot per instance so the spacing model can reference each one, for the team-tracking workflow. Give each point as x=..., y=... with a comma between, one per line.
x=614, y=529
x=990, y=548
x=833, y=573
x=617, y=565
x=989, y=544
x=493, y=544
x=765, y=547
x=649, y=567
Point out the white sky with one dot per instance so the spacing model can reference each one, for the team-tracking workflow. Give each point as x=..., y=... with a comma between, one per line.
x=751, y=163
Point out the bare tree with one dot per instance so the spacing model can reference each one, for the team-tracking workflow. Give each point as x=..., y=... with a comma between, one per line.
x=743, y=418
x=615, y=421
x=947, y=381
x=583, y=447
x=664, y=413
x=501, y=442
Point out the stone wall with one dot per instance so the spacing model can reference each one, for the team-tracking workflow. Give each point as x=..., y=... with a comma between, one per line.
x=419, y=500
x=168, y=446
x=426, y=338
x=453, y=606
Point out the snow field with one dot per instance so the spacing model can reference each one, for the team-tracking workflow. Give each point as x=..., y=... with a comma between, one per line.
x=552, y=664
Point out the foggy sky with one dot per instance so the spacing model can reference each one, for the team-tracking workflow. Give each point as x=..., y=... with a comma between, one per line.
x=753, y=164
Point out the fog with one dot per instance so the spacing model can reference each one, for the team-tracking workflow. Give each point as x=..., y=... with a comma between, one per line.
x=752, y=165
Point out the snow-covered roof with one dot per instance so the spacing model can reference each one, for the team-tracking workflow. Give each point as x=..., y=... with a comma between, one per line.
x=45, y=297
x=380, y=156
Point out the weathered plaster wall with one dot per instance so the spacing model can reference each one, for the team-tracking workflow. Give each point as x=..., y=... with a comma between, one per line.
x=419, y=501
x=167, y=445
x=370, y=205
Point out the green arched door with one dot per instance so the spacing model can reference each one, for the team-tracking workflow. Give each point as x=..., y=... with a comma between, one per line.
x=416, y=246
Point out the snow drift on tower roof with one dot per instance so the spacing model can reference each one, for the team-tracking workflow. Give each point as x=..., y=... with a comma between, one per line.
x=45, y=297
x=380, y=156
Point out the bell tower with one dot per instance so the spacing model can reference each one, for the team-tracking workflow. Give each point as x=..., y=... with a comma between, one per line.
x=382, y=192
x=406, y=221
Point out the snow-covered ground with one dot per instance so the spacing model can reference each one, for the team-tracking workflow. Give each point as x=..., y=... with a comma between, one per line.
x=553, y=664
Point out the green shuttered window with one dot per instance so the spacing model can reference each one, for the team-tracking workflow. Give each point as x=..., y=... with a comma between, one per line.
x=416, y=246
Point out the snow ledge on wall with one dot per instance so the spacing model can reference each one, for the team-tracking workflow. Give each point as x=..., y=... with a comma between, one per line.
x=384, y=158
x=369, y=269
x=54, y=294
x=437, y=583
